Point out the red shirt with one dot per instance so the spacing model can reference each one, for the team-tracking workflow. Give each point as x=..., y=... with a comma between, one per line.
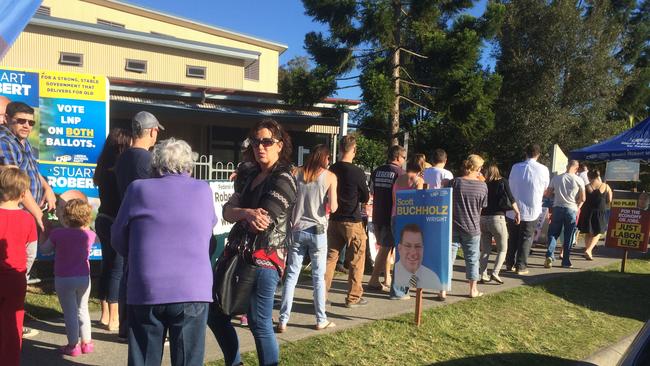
x=17, y=228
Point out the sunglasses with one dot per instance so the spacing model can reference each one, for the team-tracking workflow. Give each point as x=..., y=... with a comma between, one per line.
x=22, y=121
x=266, y=142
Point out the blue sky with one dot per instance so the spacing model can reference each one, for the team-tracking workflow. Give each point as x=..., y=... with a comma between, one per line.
x=282, y=21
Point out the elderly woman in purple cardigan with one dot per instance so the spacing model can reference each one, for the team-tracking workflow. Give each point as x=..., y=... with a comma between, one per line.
x=163, y=229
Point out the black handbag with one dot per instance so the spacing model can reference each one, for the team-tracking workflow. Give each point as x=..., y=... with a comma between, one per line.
x=505, y=203
x=234, y=272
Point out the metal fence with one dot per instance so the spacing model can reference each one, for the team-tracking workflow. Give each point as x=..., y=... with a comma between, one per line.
x=205, y=168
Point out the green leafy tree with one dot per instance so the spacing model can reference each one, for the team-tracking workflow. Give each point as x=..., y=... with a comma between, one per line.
x=561, y=74
x=371, y=153
x=634, y=103
x=418, y=64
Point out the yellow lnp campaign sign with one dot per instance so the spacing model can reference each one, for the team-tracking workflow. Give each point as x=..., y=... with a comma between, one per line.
x=628, y=235
x=55, y=84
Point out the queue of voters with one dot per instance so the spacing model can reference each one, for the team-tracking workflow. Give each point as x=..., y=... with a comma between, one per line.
x=158, y=283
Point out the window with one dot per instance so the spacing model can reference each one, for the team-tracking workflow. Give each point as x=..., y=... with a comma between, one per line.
x=73, y=59
x=252, y=71
x=195, y=72
x=136, y=66
x=110, y=24
x=44, y=10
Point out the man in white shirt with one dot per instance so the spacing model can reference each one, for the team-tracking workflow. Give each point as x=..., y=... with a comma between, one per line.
x=583, y=171
x=568, y=191
x=409, y=271
x=437, y=176
x=528, y=181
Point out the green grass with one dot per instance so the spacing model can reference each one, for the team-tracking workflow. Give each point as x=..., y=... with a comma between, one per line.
x=563, y=319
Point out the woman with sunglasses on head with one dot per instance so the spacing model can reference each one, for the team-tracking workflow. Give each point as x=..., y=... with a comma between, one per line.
x=264, y=204
x=316, y=187
x=117, y=142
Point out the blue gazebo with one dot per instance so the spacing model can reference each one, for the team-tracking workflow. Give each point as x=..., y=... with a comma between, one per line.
x=633, y=144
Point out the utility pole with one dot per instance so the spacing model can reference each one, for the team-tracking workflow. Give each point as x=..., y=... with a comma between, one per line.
x=395, y=65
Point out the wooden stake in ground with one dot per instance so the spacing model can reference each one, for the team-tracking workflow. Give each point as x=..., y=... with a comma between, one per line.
x=418, y=306
x=624, y=260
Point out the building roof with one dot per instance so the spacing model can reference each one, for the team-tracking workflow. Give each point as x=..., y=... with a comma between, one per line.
x=142, y=88
x=191, y=24
x=143, y=37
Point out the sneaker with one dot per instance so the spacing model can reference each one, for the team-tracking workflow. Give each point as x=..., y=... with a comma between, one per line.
x=510, y=268
x=70, y=350
x=548, y=263
x=567, y=266
x=361, y=302
x=33, y=280
x=405, y=297
x=29, y=332
x=87, y=347
x=522, y=271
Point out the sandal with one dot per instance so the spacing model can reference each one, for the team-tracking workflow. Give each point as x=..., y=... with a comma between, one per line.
x=280, y=328
x=380, y=288
x=588, y=257
x=477, y=294
x=441, y=298
x=327, y=324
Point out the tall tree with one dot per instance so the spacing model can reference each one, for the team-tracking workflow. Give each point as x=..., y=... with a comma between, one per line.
x=634, y=103
x=561, y=75
x=383, y=40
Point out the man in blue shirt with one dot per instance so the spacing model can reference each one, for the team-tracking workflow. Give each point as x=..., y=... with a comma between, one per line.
x=16, y=150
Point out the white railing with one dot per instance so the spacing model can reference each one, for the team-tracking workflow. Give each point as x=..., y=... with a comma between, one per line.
x=206, y=169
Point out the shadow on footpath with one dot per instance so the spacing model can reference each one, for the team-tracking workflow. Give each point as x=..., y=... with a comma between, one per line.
x=39, y=351
x=515, y=359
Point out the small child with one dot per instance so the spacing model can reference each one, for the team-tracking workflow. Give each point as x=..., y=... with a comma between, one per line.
x=17, y=231
x=72, y=245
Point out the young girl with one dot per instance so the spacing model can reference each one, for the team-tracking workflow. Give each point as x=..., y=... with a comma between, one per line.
x=72, y=273
x=17, y=230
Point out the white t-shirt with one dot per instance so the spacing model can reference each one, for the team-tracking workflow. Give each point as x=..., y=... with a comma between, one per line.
x=528, y=181
x=434, y=177
x=584, y=176
x=565, y=190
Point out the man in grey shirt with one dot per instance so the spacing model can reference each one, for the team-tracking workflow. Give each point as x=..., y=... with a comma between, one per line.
x=568, y=192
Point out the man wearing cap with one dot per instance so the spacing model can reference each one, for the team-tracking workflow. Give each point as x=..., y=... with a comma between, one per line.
x=133, y=164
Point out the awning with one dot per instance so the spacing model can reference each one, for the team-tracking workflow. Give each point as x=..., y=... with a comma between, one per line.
x=633, y=144
x=317, y=121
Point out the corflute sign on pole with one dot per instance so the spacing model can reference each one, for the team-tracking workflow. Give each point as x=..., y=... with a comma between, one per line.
x=72, y=115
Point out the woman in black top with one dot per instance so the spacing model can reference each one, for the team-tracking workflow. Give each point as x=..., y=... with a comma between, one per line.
x=493, y=222
x=118, y=141
x=592, y=220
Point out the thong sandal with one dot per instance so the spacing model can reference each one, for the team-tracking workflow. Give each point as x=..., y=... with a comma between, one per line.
x=327, y=324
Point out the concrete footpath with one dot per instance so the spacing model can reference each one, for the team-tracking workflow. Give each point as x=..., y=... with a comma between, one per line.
x=41, y=349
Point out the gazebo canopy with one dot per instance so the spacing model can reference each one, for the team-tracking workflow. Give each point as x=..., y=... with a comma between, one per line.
x=633, y=144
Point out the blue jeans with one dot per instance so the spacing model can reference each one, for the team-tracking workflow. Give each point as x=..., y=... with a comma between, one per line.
x=149, y=323
x=112, y=263
x=260, y=322
x=562, y=218
x=471, y=245
x=316, y=246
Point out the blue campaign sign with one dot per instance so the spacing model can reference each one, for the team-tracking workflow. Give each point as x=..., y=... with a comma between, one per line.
x=423, y=239
x=20, y=86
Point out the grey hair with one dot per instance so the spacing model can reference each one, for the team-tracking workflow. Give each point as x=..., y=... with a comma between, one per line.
x=172, y=156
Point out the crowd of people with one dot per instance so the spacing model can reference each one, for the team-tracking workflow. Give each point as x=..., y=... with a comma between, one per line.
x=155, y=226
